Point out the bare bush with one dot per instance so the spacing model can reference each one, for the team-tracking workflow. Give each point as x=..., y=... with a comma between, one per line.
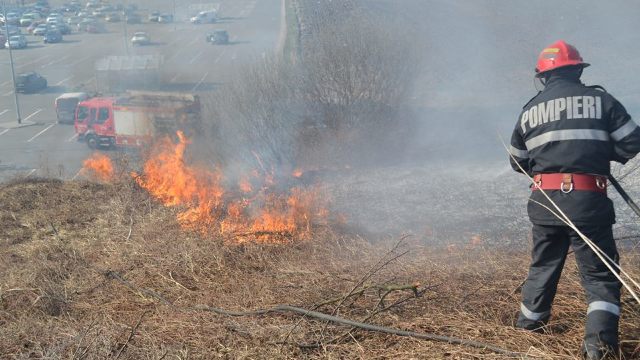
x=255, y=114
x=342, y=102
x=357, y=75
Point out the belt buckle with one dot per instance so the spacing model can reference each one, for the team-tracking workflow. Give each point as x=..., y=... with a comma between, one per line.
x=566, y=179
x=537, y=183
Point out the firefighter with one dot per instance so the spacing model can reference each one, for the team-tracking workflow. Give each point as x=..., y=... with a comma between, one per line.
x=565, y=138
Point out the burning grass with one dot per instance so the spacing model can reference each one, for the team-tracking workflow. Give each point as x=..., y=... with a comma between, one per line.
x=255, y=208
x=59, y=240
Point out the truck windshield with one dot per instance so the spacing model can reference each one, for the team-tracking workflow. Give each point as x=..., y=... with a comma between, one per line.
x=83, y=112
x=103, y=115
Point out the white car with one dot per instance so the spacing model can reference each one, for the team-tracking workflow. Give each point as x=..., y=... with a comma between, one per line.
x=54, y=19
x=41, y=29
x=27, y=19
x=140, y=38
x=205, y=17
x=16, y=42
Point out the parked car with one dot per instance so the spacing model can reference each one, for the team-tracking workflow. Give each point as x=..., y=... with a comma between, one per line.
x=218, y=37
x=62, y=27
x=84, y=23
x=32, y=27
x=70, y=7
x=54, y=18
x=153, y=16
x=140, y=38
x=74, y=20
x=13, y=30
x=165, y=18
x=13, y=18
x=29, y=18
x=16, y=42
x=99, y=13
x=93, y=4
x=30, y=82
x=113, y=17
x=52, y=36
x=205, y=17
x=40, y=30
x=95, y=28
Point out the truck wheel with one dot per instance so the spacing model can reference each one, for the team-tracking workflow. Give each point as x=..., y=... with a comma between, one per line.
x=92, y=142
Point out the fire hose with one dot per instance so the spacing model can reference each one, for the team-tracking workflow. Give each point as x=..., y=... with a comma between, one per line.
x=624, y=195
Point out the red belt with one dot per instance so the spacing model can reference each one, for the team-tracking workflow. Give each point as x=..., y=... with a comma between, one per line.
x=569, y=182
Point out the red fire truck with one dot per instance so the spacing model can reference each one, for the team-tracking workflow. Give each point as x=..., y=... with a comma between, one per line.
x=136, y=118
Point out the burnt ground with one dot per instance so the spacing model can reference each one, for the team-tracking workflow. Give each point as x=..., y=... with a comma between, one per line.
x=96, y=271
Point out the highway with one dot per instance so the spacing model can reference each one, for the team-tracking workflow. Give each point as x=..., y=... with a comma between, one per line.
x=46, y=148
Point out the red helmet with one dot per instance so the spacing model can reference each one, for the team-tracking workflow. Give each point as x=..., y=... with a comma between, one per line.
x=557, y=55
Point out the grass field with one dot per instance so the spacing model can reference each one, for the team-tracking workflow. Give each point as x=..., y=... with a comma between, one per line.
x=94, y=271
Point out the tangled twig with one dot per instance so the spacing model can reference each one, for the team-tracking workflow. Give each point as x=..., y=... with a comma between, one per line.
x=317, y=315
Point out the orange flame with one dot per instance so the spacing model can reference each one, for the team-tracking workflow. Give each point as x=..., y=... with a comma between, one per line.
x=245, y=185
x=98, y=166
x=268, y=216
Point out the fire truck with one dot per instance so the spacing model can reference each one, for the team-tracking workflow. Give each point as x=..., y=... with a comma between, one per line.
x=136, y=118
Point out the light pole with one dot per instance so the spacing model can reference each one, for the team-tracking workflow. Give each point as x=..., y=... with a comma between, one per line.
x=13, y=73
x=125, y=14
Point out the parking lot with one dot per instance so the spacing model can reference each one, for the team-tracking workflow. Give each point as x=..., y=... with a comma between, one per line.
x=46, y=148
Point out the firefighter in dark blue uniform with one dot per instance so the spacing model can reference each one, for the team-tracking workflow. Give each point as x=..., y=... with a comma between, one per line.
x=565, y=138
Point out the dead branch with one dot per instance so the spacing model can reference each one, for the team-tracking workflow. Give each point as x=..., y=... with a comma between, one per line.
x=313, y=314
x=131, y=334
x=360, y=325
x=84, y=334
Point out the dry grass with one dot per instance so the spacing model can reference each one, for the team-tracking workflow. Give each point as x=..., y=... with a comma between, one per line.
x=57, y=240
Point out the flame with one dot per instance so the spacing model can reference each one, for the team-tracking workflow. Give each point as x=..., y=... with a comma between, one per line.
x=98, y=166
x=245, y=185
x=268, y=215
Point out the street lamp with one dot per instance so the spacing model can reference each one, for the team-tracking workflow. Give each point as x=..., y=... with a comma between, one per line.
x=125, y=14
x=13, y=72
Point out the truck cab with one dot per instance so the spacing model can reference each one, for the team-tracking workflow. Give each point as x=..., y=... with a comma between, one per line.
x=94, y=122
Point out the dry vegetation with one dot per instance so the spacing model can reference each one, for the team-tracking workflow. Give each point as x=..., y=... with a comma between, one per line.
x=95, y=271
x=61, y=241
x=340, y=101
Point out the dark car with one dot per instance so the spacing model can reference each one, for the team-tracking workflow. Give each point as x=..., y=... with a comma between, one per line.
x=218, y=37
x=52, y=36
x=30, y=82
x=62, y=27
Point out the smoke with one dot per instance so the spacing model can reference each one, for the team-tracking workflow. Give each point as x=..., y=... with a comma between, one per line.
x=435, y=166
x=476, y=74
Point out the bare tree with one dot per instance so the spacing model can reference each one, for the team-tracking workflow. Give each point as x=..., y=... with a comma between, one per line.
x=340, y=102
